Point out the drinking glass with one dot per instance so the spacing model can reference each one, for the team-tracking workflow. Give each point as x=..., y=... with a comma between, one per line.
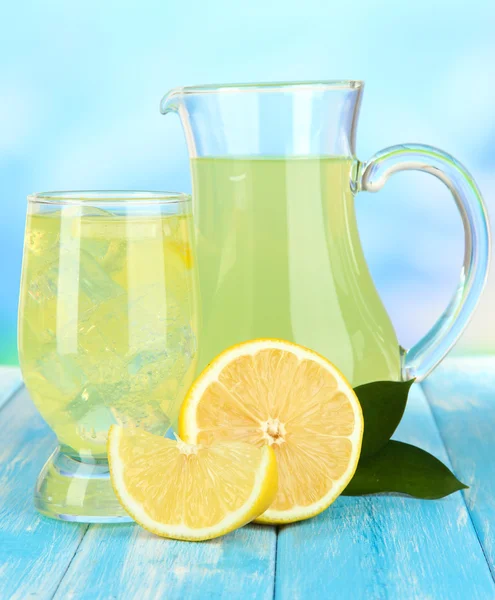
x=108, y=321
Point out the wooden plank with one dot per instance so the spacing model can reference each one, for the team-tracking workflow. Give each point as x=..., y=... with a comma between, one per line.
x=387, y=547
x=462, y=396
x=34, y=551
x=126, y=562
x=10, y=382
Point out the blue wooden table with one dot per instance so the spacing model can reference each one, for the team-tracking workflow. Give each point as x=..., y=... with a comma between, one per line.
x=369, y=547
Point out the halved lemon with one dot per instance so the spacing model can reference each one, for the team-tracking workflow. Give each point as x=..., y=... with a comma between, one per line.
x=274, y=392
x=189, y=492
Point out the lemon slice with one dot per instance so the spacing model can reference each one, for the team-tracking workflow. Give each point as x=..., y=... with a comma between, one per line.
x=189, y=492
x=276, y=392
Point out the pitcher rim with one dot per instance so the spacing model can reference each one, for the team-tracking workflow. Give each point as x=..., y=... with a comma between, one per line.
x=337, y=84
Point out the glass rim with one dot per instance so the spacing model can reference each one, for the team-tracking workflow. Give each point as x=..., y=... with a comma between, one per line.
x=337, y=84
x=88, y=197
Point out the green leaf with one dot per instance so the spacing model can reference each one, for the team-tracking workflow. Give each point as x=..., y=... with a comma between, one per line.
x=383, y=404
x=405, y=469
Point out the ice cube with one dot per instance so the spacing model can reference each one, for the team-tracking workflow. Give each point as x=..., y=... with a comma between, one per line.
x=94, y=281
x=92, y=402
x=151, y=317
x=143, y=412
x=102, y=368
x=96, y=248
x=85, y=401
x=153, y=420
x=95, y=229
x=102, y=236
x=115, y=256
x=43, y=286
x=147, y=369
x=96, y=407
x=145, y=359
x=92, y=415
x=95, y=425
x=52, y=379
x=39, y=241
x=103, y=330
x=62, y=372
x=163, y=372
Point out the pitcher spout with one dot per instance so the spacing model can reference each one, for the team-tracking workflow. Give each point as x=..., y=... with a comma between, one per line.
x=171, y=101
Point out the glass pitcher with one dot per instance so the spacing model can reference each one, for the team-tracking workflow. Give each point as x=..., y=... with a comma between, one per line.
x=274, y=176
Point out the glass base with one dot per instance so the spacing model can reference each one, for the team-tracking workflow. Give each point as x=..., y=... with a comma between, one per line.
x=77, y=490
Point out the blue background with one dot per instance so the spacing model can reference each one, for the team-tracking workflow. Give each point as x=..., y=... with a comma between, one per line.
x=81, y=84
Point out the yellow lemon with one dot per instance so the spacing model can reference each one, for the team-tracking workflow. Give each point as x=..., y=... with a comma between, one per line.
x=277, y=393
x=190, y=492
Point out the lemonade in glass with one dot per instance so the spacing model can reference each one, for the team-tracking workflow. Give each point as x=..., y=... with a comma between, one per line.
x=107, y=330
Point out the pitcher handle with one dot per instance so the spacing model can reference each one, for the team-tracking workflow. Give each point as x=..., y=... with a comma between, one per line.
x=431, y=349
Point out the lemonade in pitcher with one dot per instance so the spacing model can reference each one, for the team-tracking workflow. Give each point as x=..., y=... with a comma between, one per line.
x=107, y=318
x=279, y=257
